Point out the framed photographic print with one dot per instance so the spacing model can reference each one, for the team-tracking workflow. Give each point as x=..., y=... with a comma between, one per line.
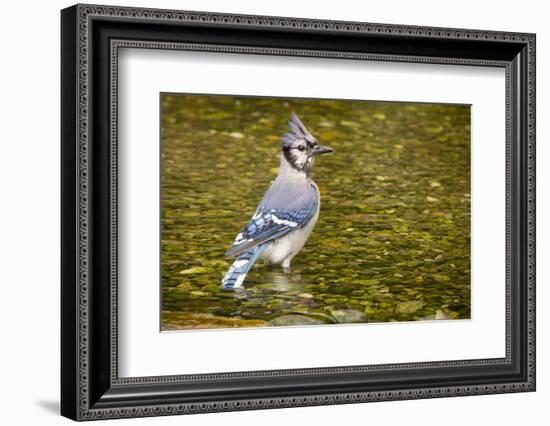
x=263, y=212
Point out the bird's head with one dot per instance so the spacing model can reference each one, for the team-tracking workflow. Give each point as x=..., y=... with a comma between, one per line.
x=299, y=147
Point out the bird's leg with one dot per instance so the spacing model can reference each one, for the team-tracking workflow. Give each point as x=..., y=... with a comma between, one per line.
x=286, y=265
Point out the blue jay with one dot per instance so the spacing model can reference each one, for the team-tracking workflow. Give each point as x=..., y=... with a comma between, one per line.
x=287, y=213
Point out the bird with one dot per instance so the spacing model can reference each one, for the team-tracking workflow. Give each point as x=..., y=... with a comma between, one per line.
x=287, y=212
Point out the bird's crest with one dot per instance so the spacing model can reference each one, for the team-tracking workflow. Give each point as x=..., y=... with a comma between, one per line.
x=296, y=131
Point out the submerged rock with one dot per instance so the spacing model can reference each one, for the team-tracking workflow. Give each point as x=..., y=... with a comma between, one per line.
x=292, y=319
x=409, y=307
x=440, y=315
x=305, y=295
x=346, y=316
x=195, y=270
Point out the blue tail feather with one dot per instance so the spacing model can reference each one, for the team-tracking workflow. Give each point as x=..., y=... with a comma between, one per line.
x=234, y=277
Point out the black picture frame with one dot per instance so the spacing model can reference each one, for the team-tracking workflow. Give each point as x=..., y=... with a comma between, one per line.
x=90, y=386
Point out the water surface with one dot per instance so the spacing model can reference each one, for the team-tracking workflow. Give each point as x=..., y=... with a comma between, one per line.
x=393, y=238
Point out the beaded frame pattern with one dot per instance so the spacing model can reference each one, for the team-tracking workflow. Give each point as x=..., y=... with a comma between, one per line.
x=87, y=12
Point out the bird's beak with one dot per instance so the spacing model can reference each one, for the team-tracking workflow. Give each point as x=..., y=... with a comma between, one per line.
x=321, y=150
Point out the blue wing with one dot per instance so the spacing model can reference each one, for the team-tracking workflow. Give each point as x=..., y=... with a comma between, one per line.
x=267, y=225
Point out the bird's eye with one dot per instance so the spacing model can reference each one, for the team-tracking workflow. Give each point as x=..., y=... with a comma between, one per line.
x=301, y=147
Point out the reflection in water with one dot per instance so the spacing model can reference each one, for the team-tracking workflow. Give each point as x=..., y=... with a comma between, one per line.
x=393, y=239
x=272, y=281
x=285, y=291
x=280, y=281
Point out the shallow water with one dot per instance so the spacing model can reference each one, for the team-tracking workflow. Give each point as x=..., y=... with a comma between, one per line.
x=393, y=238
